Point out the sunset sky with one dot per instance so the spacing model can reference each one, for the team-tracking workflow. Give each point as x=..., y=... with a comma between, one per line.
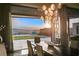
x=34, y=22
x=26, y=22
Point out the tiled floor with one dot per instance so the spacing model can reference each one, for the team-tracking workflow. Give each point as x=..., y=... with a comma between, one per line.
x=25, y=52
x=20, y=53
x=20, y=46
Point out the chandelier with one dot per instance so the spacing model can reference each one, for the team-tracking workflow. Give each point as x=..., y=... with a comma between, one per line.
x=50, y=16
x=50, y=13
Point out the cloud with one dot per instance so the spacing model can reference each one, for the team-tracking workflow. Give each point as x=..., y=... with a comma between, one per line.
x=18, y=24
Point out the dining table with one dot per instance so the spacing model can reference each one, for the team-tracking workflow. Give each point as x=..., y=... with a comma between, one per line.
x=46, y=48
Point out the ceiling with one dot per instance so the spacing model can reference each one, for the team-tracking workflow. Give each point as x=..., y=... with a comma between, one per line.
x=39, y=5
x=31, y=9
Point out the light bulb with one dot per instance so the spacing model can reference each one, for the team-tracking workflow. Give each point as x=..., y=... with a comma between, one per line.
x=46, y=17
x=44, y=7
x=42, y=18
x=59, y=6
x=51, y=13
x=49, y=9
x=46, y=12
x=56, y=12
x=52, y=7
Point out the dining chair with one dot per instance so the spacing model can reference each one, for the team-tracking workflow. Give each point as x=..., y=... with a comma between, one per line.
x=39, y=50
x=37, y=39
x=30, y=49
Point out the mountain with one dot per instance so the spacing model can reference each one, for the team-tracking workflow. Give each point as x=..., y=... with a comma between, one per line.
x=26, y=30
x=31, y=28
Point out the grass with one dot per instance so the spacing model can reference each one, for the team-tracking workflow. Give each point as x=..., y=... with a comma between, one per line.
x=21, y=37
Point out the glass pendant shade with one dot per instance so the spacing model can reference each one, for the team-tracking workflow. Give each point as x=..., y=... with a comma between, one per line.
x=46, y=12
x=59, y=6
x=44, y=7
x=52, y=6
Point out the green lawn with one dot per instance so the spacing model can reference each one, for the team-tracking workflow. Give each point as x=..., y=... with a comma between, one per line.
x=21, y=37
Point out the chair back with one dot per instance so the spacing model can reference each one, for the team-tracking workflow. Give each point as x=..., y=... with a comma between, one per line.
x=39, y=50
x=30, y=49
x=37, y=39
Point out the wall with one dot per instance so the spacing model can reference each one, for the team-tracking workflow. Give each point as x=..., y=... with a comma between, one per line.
x=6, y=32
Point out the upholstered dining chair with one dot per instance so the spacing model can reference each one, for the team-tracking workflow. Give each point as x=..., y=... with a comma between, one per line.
x=30, y=49
x=37, y=39
x=39, y=50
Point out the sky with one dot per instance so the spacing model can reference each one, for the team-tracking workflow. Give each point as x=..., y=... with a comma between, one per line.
x=26, y=22
x=34, y=22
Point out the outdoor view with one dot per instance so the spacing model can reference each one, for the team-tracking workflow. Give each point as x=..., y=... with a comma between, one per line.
x=74, y=23
x=24, y=29
x=39, y=29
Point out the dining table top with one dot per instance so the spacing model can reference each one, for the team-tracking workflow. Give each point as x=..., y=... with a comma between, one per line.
x=45, y=47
